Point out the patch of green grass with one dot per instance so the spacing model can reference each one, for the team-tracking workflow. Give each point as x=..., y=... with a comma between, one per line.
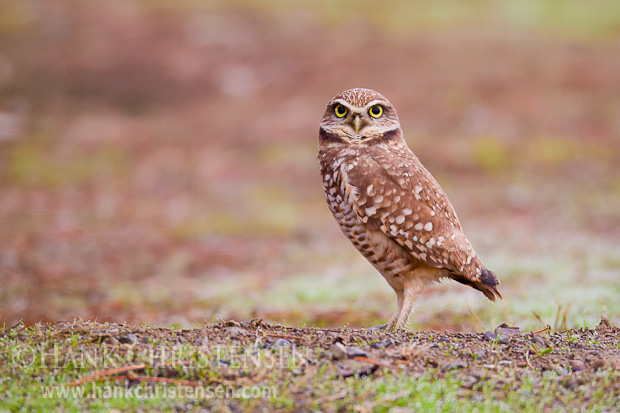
x=491, y=154
x=37, y=364
x=572, y=19
x=33, y=165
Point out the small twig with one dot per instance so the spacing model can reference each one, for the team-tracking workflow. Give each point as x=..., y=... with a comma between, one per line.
x=106, y=373
x=152, y=379
x=563, y=326
x=539, y=319
x=507, y=312
x=155, y=379
x=329, y=398
x=25, y=327
x=600, y=300
x=369, y=407
x=542, y=330
x=527, y=359
x=283, y=336
x=478, y=320
x=112, y=372
x=375, y=362
x=557, y=315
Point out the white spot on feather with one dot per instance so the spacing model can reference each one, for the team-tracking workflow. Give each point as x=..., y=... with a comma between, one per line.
x=428, y=226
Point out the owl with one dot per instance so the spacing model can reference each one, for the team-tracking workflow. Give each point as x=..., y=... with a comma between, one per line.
x=389, y=206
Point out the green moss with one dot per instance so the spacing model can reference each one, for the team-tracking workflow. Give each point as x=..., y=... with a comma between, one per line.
x=491, y=154
x=34, y=165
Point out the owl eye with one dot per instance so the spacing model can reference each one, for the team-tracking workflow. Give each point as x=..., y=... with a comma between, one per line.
x=340, y=111
x=376, y=111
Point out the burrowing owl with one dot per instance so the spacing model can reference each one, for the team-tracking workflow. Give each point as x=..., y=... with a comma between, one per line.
x=389, y=206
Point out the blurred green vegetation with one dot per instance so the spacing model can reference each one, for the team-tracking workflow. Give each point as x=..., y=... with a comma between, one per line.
x=157, y=158
x=29, y=165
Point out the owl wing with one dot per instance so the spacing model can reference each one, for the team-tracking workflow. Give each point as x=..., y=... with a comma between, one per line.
x=401, y=198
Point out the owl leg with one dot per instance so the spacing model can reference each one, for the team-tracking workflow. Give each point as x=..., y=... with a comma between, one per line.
x=409, y=299
x=399, y=306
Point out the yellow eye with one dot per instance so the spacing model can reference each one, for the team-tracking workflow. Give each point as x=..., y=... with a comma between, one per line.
x=340, y=110
x=376, y=111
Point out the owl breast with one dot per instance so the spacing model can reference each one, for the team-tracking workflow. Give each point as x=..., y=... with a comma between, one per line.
x=389, y=258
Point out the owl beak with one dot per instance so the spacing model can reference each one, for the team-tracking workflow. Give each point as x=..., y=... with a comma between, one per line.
x=357, y=122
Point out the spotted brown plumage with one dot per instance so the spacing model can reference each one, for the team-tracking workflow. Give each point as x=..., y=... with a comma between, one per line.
x=389, y=206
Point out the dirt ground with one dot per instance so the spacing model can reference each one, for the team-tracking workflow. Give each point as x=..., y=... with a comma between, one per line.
x=158, y=165
x=158, y=159
x=235, y=356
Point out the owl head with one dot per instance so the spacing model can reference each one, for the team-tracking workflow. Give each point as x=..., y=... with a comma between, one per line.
x=359, y=116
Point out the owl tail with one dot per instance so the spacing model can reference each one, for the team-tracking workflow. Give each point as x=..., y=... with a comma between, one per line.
x=487, y=285
x=489, y=280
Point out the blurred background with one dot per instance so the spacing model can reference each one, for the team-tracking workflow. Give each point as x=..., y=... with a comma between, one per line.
x=158, y=158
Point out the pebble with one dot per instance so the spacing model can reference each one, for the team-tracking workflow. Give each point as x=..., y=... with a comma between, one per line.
x=356, y=352
x=382, y=344
x=339, y=351
x=577, y=365
x=282, y=342
x=235, y=331
x=504, y=329
x=202, y=341
x=490, y=336
x=469, y=381
x=538, y=341
x=128, y=339
x=455, y=366
x=111, y=340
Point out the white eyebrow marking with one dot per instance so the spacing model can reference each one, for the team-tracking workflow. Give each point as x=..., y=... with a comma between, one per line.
x=344, y=103
x=375, y=102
